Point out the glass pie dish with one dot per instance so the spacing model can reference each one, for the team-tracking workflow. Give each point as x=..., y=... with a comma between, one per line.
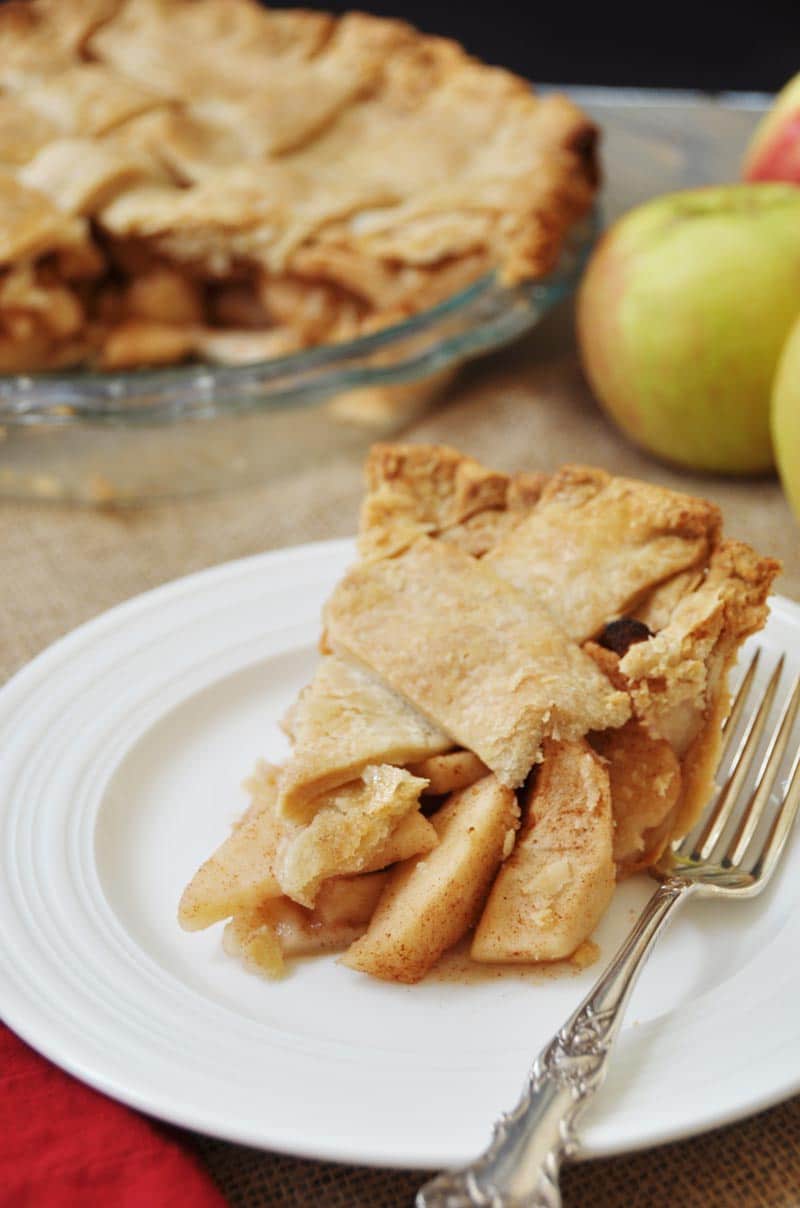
x=117, y=438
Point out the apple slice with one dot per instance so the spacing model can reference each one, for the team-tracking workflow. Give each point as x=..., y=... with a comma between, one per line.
x=550, y=894
x=429, y=904
x=448, y=773
x=645, y=780
x=264, y=935
x=255, y=942
x=240, y=873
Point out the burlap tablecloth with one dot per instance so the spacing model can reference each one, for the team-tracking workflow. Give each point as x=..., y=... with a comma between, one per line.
x=525, y=407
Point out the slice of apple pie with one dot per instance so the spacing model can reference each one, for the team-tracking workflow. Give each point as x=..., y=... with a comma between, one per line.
x=519, y=700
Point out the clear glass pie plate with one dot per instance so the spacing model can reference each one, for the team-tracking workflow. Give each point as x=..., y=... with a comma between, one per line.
x=118, y=438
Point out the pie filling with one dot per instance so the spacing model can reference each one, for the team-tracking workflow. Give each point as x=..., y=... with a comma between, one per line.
x=212, y=179
x=519, y=701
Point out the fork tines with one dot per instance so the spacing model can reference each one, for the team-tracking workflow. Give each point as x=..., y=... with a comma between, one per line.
x=745, y=800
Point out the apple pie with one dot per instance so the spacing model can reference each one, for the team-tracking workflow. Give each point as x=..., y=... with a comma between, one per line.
x=519, y=701
x=212, y=179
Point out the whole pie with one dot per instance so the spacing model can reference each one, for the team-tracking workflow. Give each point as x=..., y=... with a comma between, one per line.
x=209, y=178
x=519, y=700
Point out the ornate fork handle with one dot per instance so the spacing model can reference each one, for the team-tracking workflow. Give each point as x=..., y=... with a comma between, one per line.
x=520, y=1169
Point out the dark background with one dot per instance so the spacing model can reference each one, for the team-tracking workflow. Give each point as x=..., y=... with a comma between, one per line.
x=657, y=43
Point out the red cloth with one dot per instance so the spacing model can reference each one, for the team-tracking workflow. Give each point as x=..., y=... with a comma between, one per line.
x=63, y=1145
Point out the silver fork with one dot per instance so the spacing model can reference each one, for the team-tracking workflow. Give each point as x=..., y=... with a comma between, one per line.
x=719, y=858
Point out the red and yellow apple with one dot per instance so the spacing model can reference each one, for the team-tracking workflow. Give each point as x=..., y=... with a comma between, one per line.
x=774, y=150
x=682, y=314
x=786, y=417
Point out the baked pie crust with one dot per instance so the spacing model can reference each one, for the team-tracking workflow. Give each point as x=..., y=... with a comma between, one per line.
x=519, y=701
x=338, y=174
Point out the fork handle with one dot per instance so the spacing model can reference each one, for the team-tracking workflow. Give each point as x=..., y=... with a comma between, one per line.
x=520, y=1168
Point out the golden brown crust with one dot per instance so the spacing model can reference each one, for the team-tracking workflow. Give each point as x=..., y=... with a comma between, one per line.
x=634, y=548
x=493, y=668
x=657, y=607
x=413, y=489
x=594, y=545
x=257, y=144
x=685, y=661
x=23, y=132
x=678, y=679
x=32, y=228
x=624, y=538
x=345, y=719
x=88, y=100
x=417, y=489
x=727, y=608
x=81, y=176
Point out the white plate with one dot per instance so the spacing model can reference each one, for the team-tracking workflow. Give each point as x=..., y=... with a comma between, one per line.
x=124, y=746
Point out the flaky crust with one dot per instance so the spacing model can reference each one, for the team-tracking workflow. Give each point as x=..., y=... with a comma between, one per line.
x=590, y=547
x=479, y=657
x=595, y=545
x=345, y=719
x=32, y=228
x=413, y=489
x=678, y=681
x=684, y=661
x=238, y=143
x=349, y=833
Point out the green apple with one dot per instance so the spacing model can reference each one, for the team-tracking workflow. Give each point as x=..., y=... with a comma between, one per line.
x=682, y=314
x=774, y=149
x=786, y=417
